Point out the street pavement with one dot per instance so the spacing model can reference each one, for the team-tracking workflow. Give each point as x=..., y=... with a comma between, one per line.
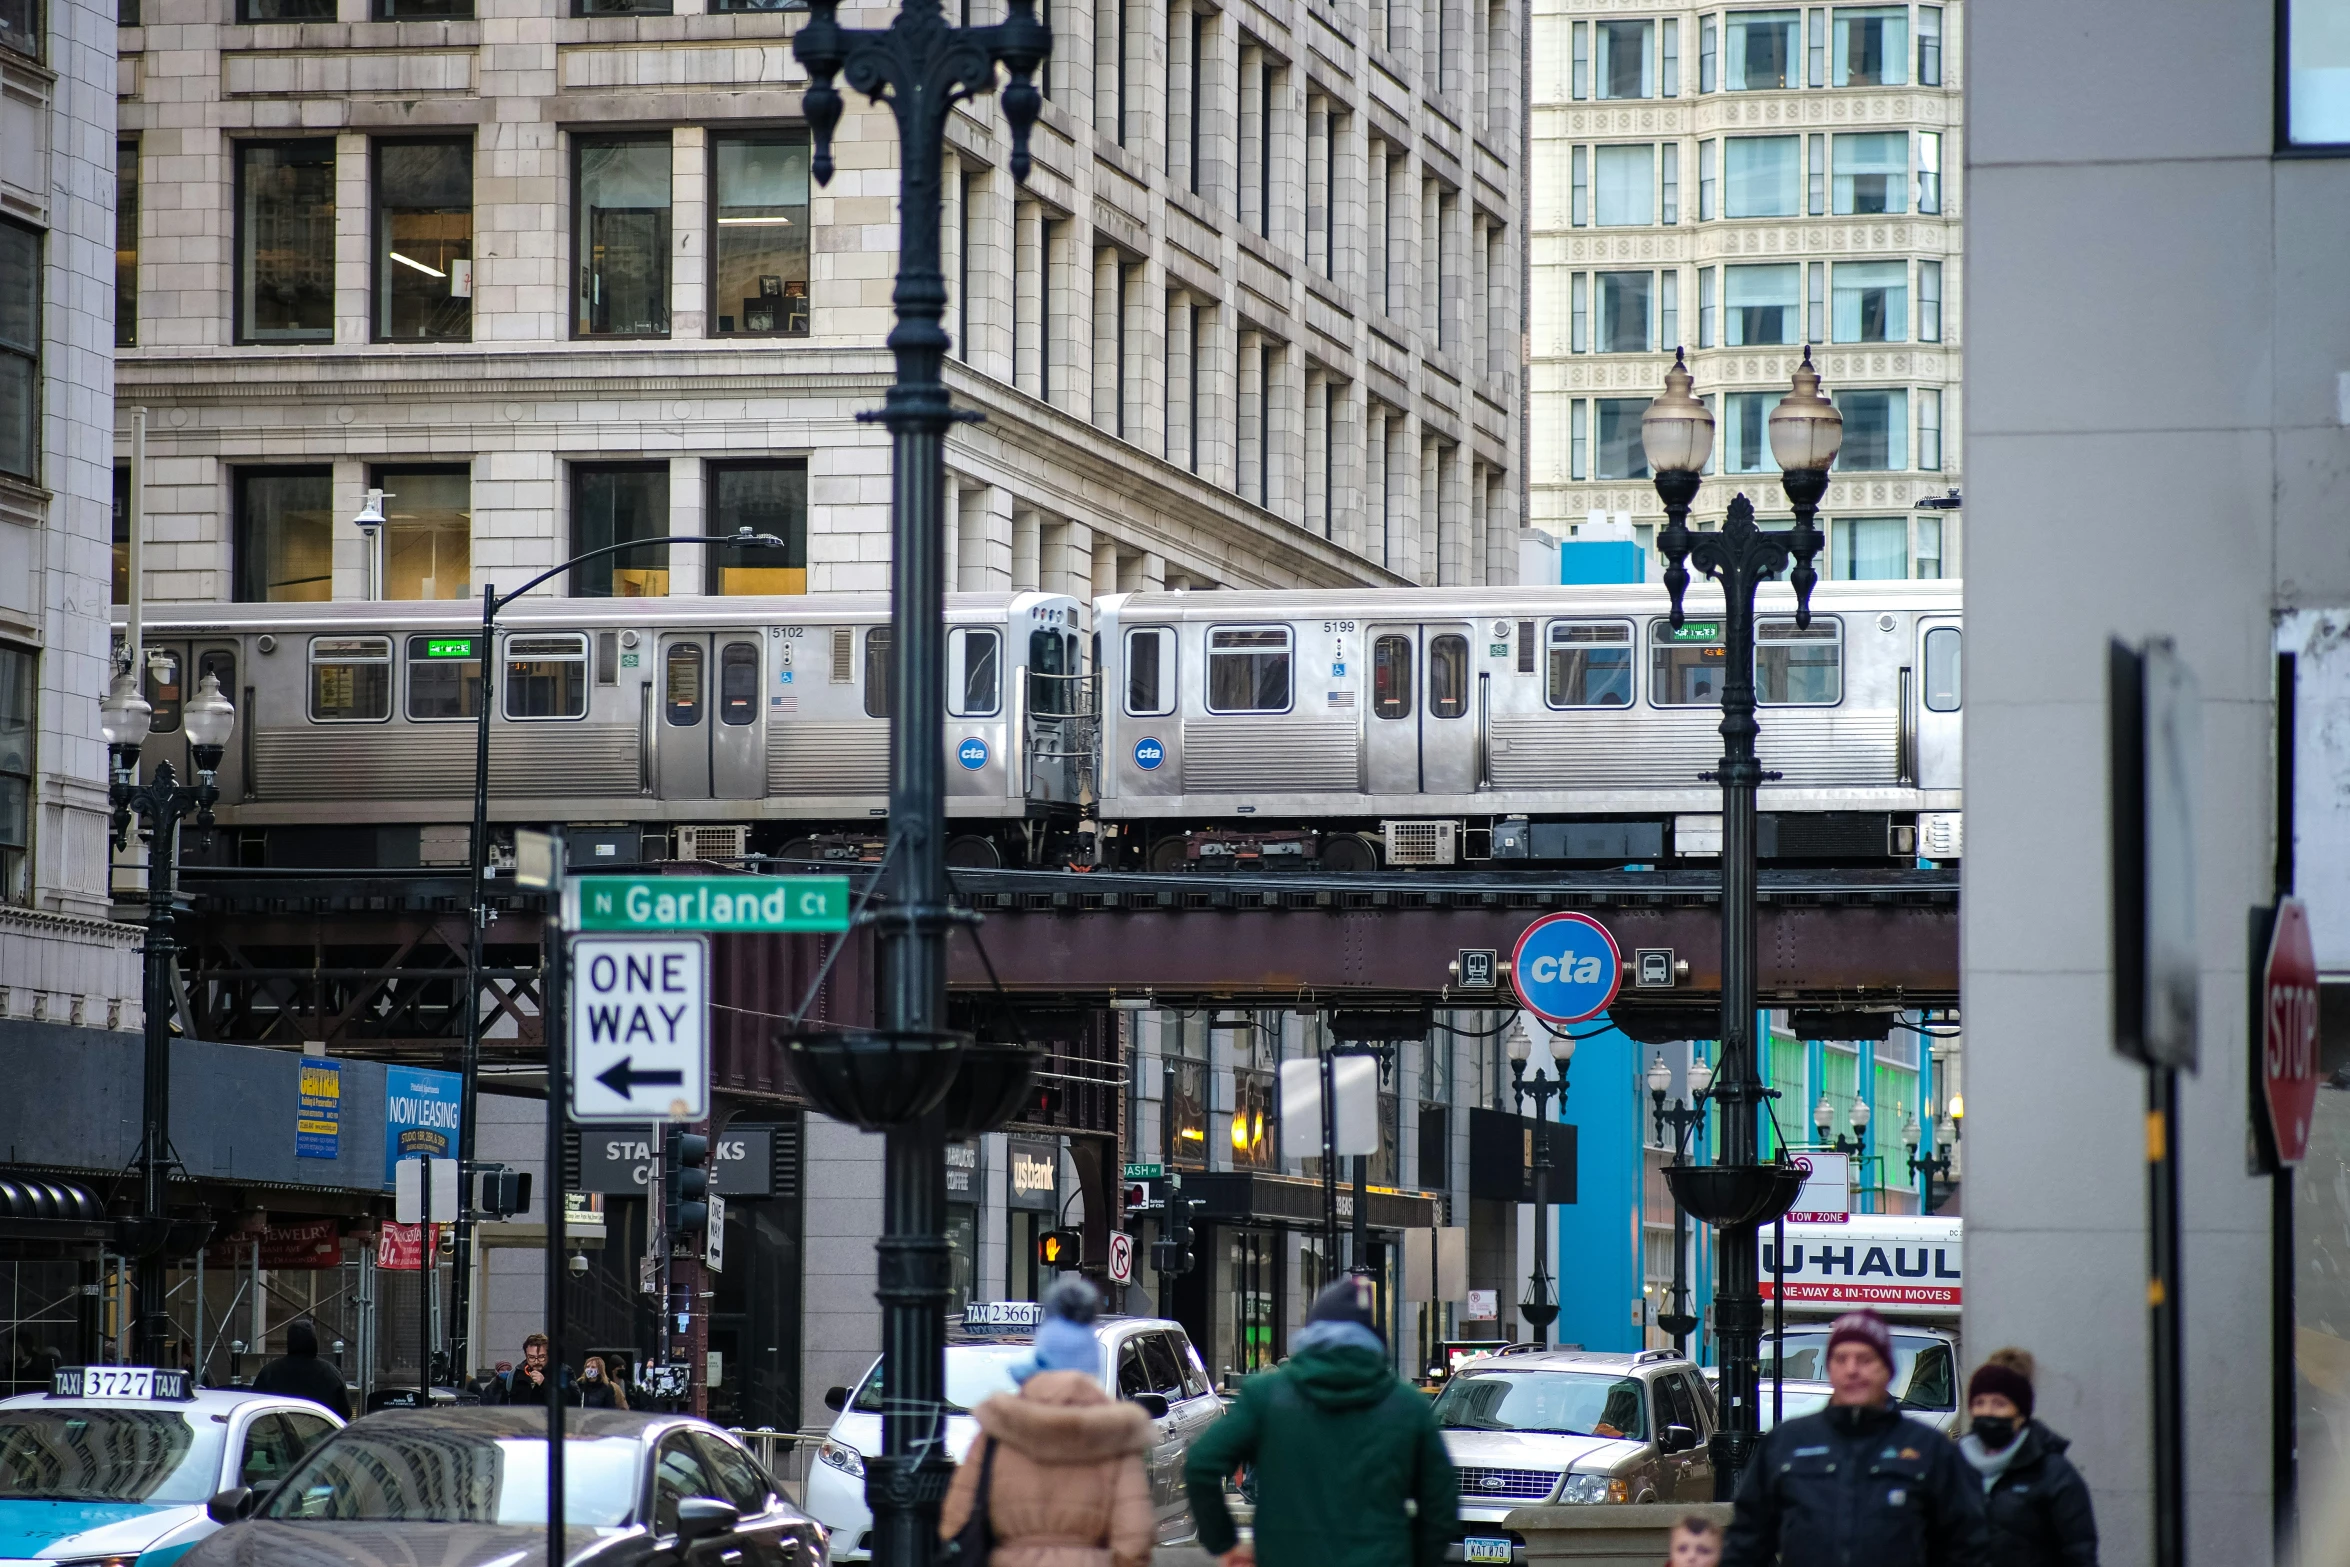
x=1181, y=1556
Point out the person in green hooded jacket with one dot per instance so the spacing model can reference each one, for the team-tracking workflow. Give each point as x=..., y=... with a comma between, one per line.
x=1340, y=1444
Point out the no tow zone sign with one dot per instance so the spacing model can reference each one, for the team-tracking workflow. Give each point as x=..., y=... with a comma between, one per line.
x=1566, y=968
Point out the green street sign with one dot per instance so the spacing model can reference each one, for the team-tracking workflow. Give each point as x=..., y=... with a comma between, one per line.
x=720, y=903
x=1145, y=1172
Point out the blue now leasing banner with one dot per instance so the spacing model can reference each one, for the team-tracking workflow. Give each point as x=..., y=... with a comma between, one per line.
x=420, y=1115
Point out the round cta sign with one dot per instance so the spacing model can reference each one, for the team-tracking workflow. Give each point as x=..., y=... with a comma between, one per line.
x=972, y=753
x=1566, y=968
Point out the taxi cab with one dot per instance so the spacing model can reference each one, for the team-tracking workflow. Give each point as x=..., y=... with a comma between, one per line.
x=113, y=1465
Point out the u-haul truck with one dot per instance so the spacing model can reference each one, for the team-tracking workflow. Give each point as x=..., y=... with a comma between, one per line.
x=1908, y=1269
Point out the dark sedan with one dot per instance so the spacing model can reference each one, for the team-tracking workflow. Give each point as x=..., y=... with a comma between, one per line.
x=468, y=1487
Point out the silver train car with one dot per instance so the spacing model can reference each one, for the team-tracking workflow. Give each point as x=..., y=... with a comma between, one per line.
x=1542, y=724
x=730, y=725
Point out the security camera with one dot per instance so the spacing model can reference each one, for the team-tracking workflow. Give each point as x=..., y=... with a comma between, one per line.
x=579, y=1265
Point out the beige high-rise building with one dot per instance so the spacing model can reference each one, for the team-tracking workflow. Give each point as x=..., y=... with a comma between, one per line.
x=1741, y=181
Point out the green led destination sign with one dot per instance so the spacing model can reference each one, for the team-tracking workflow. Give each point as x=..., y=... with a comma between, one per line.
x=448, y=647
x=1695, y=631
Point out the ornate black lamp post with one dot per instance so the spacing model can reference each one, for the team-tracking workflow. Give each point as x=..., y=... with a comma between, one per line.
x=896, y=1077
x=1683, y=1116
x=160, y=804
x=1934, y=1166
x=1823, y=1120
x=1540, y=1307
x=1741, y=1193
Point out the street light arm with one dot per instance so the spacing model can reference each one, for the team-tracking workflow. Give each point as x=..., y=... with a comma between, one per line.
x=499, y=601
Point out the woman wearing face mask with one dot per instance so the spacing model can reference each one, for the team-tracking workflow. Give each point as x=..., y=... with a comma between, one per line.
x=596, y=1388
x=2037, y=1502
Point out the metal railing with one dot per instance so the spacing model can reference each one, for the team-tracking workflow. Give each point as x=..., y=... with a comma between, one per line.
x=785, y=1455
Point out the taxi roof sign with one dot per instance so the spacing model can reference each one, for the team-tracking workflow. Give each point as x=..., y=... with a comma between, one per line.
x=129, y=1384
x=1002, y=1316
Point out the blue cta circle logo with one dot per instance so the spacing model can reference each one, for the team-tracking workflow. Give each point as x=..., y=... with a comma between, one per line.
x=972, y=753
x=1148, y=753
x=1566, y=968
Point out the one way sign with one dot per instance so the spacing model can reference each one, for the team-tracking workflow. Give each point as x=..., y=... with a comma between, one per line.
x=640, y=1032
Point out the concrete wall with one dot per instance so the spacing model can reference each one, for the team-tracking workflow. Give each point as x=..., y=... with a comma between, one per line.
x=2171, y=469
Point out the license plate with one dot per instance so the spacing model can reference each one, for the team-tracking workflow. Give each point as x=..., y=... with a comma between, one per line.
x=1477, y=1550
x=133, y=1382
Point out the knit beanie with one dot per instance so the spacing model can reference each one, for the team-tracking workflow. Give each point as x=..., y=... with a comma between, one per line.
x=2005, y=1381
x=1064, y=1338
x=1863, y=1327
x=1348, y=1300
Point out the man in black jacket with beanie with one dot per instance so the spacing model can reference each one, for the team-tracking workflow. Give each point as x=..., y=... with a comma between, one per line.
x=299, y=1373
x=1859, y=1484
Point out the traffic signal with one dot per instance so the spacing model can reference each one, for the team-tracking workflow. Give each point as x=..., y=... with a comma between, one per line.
x=1062, y=1249
x=502, y=1193
x=685, y=1182
x=1172, y=1254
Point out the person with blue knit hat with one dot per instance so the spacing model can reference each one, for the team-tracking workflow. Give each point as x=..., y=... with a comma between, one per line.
x=1340, y=1444
x=1064, y=1338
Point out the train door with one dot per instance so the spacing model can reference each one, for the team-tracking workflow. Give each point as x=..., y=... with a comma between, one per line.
x=711, y=740
x=169, y=681
x=1422, y=725
x=1938, y=693
x=1058, y=710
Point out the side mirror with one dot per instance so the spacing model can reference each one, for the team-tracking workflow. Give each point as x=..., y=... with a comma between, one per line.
x=1679, y=1439
x=1153, y=1404
x=230, y=1505
x=700, y=1517
x=836, y=1399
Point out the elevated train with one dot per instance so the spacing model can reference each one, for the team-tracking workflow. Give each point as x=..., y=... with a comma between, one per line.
x=1338, y=730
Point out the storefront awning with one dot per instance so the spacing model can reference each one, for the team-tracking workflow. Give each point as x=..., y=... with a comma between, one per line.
x=1247, y=1197
x=39, y=1208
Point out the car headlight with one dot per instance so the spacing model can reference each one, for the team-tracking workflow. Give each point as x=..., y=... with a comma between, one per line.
x=1595, y=1488
x=131, y=1560
x=845, y=1459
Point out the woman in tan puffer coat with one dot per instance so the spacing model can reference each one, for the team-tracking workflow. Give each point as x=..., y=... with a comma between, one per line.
x=1068, y=1488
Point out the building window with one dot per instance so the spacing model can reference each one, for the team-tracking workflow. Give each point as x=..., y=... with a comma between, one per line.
x=1816, y=175
x=765, y=497
x=1929, y=565
x=1929, y=46
x=1705, y=307
x=1871, y=549
x=1871, y=169
x=1746, y=442
x=428, y=532
x=1764, y=175
x=622, y=186
x=1623, y=311
x=424, y=241
x=1872, y=47
x=1627, y=183
x=19, y=707
x=1579, y=314
x=286, y=241
x=424, y=10
x=621, y=7
x=613, y=503
x=1579, y=187
x=1876, y=431
x=20, y=26
x=1872, y=302
x=1707, y=205
x=1668, y=308
x=1672, y=196
x=1816, y=48
x=1762, y=47
x=1761, y=307
x=1621, y=456
x=759, y=247
x=1705, y=54
x=284, y=541
x=1627, y=62
x=285, y=10
x=126, y=243
x=20, y=349
x=1929, y=171
x=1930, y=429
x=1581, y=86
x=1668, y=70
x=1929, y=301
x=1578, y=440
x=1815, y=295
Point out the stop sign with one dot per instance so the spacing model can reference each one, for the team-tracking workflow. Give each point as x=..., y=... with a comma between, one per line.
x=2288, y=1029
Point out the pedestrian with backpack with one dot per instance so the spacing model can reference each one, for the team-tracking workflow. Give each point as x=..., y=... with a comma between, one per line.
x=1055, y=1478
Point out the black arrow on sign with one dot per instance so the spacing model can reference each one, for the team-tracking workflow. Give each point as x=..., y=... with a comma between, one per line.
x=620, y=1078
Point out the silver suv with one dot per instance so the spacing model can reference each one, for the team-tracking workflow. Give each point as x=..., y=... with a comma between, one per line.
x=1563, y=1426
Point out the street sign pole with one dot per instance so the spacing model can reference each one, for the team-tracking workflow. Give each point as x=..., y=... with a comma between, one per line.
x=554, y=1018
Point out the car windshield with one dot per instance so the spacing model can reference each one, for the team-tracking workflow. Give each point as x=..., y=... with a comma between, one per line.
x=1571, y=1403
x=1798, y=1400
x=1922, y=1374
x=975, y=1374
x=160, y=1456
x=409, y=1475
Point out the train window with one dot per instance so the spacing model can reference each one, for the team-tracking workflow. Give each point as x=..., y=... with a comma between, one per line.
x=681, y=684
x=350, y=679
x=974, y=672
x=1248, y=670
x=164, y=692
x=547, y=676
x=1590, y=663
x=1391, y=677
x=1942, y=670
x=738, y=682
x=444, y=678
x=1448, y=676
x=1799, y=668
x=1685, y=665
x=221, y=662
x=1051, y=661
x=880, y=676
x=1150, y=671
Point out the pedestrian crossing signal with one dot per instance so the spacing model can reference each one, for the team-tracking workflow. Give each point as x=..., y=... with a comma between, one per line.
x=1059, y=1249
